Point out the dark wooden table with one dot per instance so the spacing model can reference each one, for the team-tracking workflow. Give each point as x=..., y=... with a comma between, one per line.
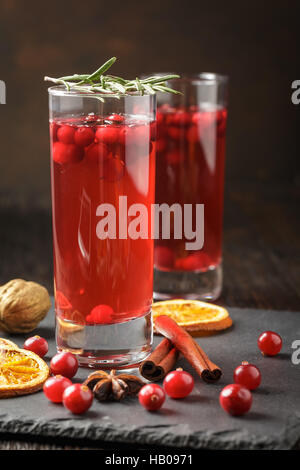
x=262, y=247
x=261, y=255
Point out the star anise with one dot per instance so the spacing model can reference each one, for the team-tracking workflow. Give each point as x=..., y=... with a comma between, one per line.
x=109, y=386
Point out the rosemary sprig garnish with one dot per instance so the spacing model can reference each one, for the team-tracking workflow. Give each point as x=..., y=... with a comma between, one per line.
x=97, y=82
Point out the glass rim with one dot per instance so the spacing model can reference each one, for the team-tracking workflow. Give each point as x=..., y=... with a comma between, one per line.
x=60, y=90
x=197, y=78
x=205, y=77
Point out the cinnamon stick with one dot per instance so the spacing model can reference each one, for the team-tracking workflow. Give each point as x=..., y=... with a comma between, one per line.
x=160, y=362
x=191, y=350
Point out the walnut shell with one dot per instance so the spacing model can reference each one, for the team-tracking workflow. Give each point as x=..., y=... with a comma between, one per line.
x=22, y=305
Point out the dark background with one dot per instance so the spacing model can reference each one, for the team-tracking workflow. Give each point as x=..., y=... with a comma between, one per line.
x=255, y=43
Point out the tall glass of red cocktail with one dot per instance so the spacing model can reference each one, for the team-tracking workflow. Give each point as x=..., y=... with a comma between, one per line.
x=103, y=175
x=190, y=180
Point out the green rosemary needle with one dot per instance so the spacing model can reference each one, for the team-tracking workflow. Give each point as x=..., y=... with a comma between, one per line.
x=98, y=83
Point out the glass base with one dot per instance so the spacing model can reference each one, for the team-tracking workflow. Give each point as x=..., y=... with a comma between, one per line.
x=106, y=346
x=194, y=285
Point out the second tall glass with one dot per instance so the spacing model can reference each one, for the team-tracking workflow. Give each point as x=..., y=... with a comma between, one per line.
x=190, y=180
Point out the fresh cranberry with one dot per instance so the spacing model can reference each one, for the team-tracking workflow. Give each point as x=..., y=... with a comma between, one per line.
x=195, y=262
x=152, y=397
x=96, y=153
x=236, y=399
x=65, y=134
x=116, y=118
x=248, y=375
x=55, y=386
x=77, y=398
x=178, y=383
x=100, y=314
x=64, y=363
x=92, y=118
x=163, y=257
x=108, y=134
x=113, y=169
x=270, y=343
x=37, y=345
x=84, y=136
x=66, y=153
x=58, y=152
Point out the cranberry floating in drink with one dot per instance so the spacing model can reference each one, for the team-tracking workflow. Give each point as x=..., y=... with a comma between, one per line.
x=103, y=144
x=190, y=172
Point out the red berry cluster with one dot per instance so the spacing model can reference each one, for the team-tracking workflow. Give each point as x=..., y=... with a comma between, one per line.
x=177, y=384
x=236, y=398
x=101, y=142
x=59, y=389
x=180, y=126
x=165, y=258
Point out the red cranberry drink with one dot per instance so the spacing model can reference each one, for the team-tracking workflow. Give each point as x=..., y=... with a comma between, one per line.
x=95, y=160
x=187, y=176
x=190, y=171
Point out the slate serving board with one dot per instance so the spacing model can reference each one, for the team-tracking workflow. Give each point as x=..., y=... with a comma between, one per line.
x=196, y=422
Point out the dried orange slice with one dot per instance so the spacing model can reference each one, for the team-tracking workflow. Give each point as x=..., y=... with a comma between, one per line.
x=193, y=315
x=21, y=372
x=7, y=342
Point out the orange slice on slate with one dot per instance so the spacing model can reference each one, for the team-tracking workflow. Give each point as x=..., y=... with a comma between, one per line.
x=193, y=315
x=6, y=342
x=21, y=372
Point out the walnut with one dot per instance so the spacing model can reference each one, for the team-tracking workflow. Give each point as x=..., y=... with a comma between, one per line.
x=22, y=305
